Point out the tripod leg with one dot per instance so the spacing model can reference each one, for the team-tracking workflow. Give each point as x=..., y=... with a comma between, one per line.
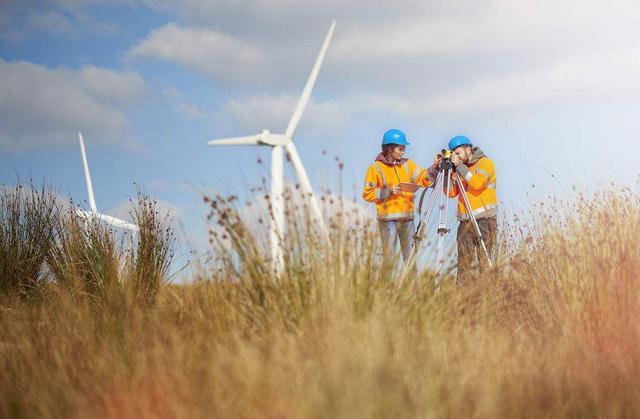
x=442, y=228
x=423, y=225
x=472, y=217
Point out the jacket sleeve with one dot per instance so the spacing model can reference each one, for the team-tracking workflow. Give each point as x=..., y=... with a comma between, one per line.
x=373, y=190
x=425, y=177
x=420, y=176
x=478, y=180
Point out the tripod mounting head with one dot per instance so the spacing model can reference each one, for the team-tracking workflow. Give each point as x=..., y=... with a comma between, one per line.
x=446, y=159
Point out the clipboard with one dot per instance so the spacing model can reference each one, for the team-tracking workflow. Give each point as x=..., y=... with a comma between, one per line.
x=408, y=187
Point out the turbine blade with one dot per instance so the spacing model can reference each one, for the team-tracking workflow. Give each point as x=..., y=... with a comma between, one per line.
x=248, y=140
x=108, y=219
x=111, y=220
x=84, y=214
x=87, y=175
x=123, y=224
x=306, y=93
x=306, y=185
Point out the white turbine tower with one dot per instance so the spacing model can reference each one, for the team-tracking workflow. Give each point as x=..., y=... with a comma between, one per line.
x=277, y=142
x=94, y=214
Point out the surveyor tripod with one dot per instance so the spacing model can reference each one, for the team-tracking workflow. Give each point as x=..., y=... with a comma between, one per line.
x=441, y=189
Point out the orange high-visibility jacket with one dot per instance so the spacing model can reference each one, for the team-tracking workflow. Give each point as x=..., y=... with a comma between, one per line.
x=479, y=180
x=383, y=175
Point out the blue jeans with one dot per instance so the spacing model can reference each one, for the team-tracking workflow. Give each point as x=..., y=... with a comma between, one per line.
x=391, y=231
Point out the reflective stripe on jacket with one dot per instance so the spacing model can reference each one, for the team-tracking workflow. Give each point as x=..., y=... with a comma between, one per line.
x=382, y=176
x=479, y=180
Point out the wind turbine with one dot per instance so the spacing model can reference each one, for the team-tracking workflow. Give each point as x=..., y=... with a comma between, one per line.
x=278, y=142
x=94, y=214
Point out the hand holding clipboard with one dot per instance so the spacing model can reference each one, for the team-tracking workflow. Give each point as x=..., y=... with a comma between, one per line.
x=408, y=187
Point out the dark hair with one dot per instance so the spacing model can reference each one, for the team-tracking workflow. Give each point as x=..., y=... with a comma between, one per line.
x=386, y=148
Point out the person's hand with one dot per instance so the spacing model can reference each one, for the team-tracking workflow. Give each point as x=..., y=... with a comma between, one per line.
x=437, y=159
x=395, y=190
x=455, y=159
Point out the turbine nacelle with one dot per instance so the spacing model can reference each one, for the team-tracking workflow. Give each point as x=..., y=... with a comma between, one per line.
x=267, y=138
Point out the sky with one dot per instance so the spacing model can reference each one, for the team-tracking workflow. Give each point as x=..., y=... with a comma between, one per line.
x=550, y=90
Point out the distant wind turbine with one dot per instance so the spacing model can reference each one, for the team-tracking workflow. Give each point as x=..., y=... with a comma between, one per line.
x=277, y=142
x=94, y=214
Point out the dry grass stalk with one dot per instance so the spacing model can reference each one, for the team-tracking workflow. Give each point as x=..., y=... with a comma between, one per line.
x=552, y=331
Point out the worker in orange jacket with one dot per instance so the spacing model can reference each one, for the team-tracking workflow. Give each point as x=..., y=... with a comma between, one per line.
x=394, y=203
x=478, y=175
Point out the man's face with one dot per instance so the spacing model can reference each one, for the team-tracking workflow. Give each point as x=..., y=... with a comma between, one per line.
x=464, y=153
x=397, y=152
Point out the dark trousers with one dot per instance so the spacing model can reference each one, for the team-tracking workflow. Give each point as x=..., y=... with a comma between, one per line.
x=471, y=255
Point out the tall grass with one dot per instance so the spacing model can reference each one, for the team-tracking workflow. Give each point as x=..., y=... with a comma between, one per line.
x=41, y=244
x=551, y=331
x=86, y=259
x=149, y=262
x=29, y=216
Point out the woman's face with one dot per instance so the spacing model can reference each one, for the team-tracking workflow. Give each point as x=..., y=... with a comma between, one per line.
x=397, y=151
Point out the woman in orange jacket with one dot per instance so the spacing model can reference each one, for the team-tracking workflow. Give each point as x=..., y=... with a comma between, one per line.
x=394, y=202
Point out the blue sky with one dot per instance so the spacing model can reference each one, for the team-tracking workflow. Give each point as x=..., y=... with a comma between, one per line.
x=544, y=87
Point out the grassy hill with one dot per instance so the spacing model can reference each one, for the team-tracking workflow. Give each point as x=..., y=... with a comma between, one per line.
x=90, y=328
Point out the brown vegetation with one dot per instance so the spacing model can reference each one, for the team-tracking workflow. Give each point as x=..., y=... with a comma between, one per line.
x=552, y=331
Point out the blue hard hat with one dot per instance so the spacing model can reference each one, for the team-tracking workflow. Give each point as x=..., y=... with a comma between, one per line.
x=457, y=141
x=394, y=136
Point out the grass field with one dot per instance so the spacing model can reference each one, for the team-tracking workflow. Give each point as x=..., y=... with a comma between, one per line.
x=89, y=327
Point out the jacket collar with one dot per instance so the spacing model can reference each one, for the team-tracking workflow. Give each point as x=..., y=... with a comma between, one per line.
x=381, y=157
x=477, y=155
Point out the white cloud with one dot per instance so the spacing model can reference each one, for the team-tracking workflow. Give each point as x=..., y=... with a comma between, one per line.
x=44, y=106
x=50, y=22
x=410, y=57
x=181, y=103
x=408, y=26
x=111, y=85
x=208, y=51
x=591, y=78
x=288, y=18
x=493, y=27
x=263, y=111
x=86, y=23
x=24, y=19
x=66, y=4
